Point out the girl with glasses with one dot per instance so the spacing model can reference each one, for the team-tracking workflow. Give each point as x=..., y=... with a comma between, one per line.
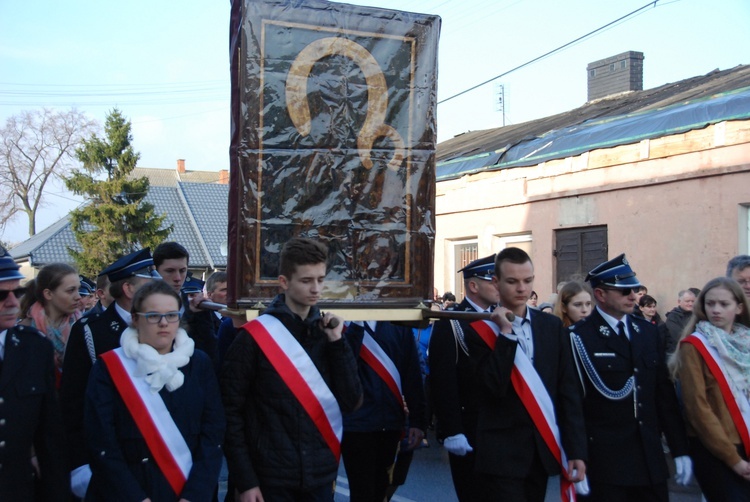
x=154, y=420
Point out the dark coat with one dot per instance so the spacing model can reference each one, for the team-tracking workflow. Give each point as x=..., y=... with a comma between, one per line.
x=507, y=440
x=270, y=436
x=122, y=464
x=380, y=410
x=454, y=389
x=106, y=329
x=30, y=419
x=200, y=327
x=677, y=319
x=624, y=436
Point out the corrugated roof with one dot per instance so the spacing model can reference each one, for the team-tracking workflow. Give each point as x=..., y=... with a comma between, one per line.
x=607, y=122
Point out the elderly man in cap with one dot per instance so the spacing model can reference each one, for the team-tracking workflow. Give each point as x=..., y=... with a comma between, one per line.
x=91, y=336
x=454, y=391
x=32, y=460
x=629, y=400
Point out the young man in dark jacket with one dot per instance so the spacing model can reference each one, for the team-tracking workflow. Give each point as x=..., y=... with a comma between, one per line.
x=286, y=379
x=391, y=379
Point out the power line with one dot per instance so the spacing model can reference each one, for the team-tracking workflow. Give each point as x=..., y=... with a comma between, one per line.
x=527, y=63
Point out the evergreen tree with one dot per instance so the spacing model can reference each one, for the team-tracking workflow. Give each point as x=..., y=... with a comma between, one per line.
x=115, y=221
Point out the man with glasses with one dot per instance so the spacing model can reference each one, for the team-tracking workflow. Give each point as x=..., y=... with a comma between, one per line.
x=32, y=449
x=91, y=336
x=629, y=400
x=738, y=269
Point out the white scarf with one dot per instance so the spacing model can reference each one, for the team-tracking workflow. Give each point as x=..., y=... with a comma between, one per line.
x=159, y=369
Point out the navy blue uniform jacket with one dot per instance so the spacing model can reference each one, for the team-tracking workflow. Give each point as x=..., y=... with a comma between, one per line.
x=624, y=436
x=122, y=465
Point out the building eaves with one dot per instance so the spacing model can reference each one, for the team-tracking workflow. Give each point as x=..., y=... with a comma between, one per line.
x=583, y=128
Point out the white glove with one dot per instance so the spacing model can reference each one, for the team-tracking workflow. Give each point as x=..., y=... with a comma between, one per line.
x=684, y=470
x=457, y=445
x=582, y=487
x=79, y=480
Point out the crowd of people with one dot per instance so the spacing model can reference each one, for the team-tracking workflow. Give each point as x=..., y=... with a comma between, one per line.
x=125, y=389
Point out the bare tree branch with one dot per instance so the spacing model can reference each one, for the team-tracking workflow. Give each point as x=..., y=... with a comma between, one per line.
x=35, y=146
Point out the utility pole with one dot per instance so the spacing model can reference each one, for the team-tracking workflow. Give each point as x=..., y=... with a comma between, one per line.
x=500, y=100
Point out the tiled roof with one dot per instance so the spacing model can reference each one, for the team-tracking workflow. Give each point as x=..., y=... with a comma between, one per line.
x=208, y=205
x=48, y=246
x=171, y=177
x=198, y=212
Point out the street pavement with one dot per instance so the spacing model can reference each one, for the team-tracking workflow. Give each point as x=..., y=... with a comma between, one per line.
x=430, y=480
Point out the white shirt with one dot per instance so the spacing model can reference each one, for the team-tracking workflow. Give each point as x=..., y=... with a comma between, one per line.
x=2, y=344
x=126, y=316
x=522, y=329
x=613, y=322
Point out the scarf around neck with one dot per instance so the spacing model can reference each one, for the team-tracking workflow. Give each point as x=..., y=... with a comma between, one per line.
x=734, y=350
x=159, y=370
x=57, y=335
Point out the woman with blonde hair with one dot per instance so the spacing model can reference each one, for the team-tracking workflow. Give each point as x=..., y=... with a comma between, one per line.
x=712, y=364
x=52, y=306
x=573, y=303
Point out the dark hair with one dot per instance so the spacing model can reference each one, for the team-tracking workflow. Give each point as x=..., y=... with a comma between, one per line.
x=169, y=251
x=153, y=288
x=533, y=295
x=640, y=288
x=695, y=291
x=449, y=297
x=115, y=289
x=738, y=263
x=571, y=289
x=49, y=277
x=511, y=255
x=214, y=279
x=102, y=282
x=301, y=251
x=646, y=300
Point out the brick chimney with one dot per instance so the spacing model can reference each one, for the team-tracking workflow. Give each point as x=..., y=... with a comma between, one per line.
x=181, y=166
x=616, y=74
x=223, y=177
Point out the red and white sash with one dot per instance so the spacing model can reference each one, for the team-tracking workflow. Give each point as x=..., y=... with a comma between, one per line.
x=535, y=398
x=299, y=373
x=712, y=359
x=375, y=357
x=151, y=416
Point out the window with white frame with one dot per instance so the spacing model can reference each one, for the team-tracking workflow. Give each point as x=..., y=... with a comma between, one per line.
x=522, y=241
x=464, y=252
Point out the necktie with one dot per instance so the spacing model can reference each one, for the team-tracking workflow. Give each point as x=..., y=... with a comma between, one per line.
x=621, y=331
x=521, y=335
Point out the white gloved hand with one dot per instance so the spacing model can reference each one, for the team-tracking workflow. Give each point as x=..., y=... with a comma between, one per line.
x=457, y=445
x=79, y=480
x=684, y=469
x=582, y=487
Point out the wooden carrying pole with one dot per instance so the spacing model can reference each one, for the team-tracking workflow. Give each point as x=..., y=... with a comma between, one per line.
x=418, y=314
